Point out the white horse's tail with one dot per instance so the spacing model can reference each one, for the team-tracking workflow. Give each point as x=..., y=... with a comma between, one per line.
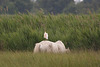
x=37, y=48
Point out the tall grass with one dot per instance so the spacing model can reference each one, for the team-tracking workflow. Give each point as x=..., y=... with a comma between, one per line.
x=28, y=59
x=22, y=31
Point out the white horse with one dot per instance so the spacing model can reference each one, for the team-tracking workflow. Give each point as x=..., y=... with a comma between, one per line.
x=48, y=46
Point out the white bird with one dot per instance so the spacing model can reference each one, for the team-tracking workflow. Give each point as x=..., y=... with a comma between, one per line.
x=45, y=35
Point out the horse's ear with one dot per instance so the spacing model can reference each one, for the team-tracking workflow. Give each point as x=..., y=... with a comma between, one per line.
x=68, y=48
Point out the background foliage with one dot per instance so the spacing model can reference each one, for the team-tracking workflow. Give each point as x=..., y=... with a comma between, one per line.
x=22, y=31
x=49, y=6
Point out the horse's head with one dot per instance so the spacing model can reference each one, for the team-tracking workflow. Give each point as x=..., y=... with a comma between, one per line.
x=67, y=50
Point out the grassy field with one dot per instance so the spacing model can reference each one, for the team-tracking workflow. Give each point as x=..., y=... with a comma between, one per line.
x=28, y=59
